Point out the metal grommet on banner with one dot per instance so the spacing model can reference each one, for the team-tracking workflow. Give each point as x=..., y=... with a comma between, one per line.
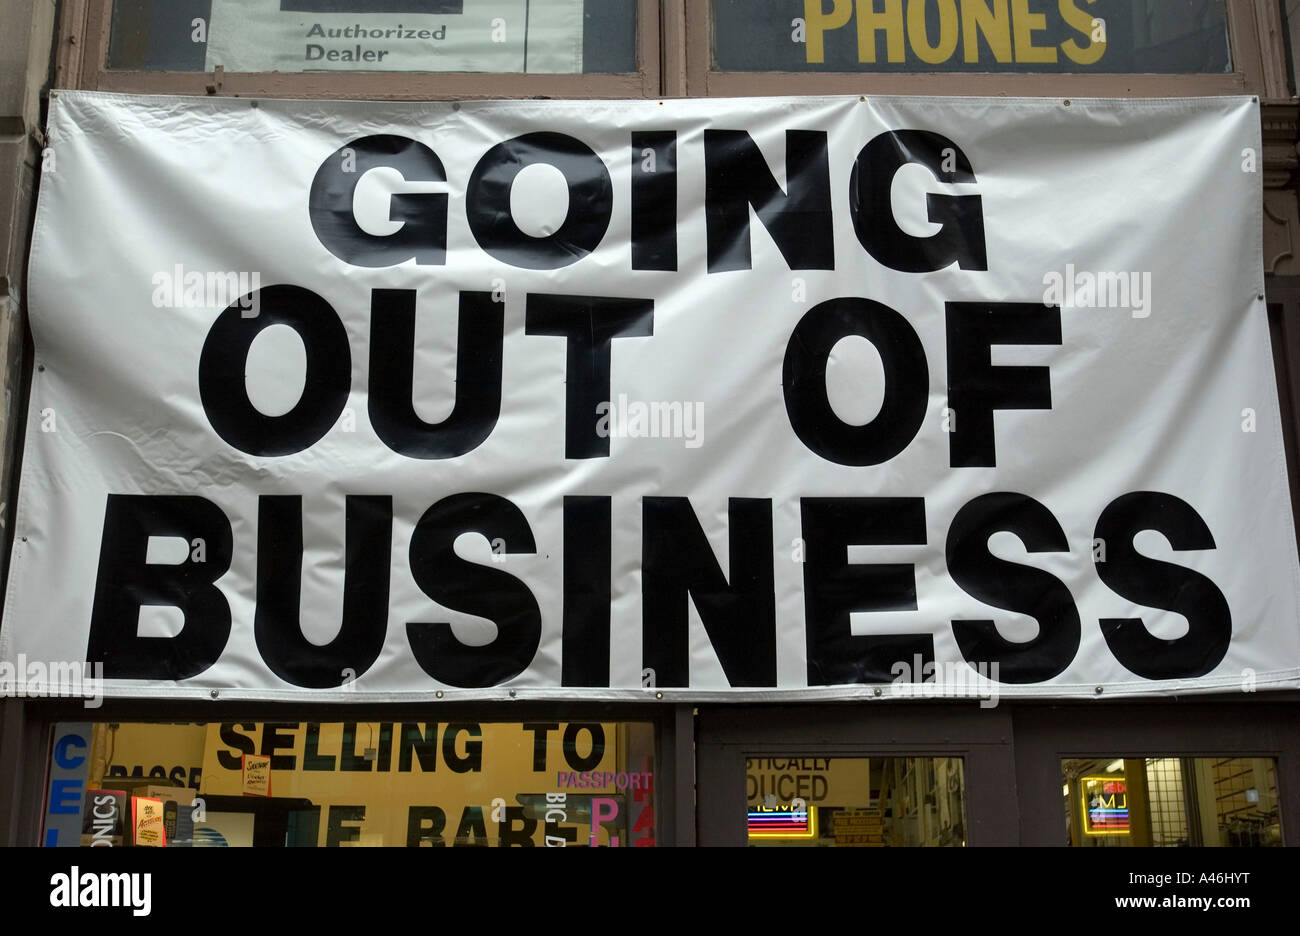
x=215, y=693
x=438, y=694
x=1099, y=690
x=878, y=692
x=1067, y=102
x=455, y=106
x=659, y=695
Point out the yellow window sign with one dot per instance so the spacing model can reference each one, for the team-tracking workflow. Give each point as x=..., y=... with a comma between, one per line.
x=257, y=775
x=147, y=815
x=1099, y=36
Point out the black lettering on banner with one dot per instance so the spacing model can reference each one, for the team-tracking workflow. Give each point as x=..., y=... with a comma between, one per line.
x=1158, y=584
x=591, y=201
x=424, y=825
x=473, y=589
x=589, y=324
x=906, y=389
x=680, y=568
x=541, y=732
x=654, y=200
x=366, y=569
x=960, y=239
x=423, y=215
x=238, y=742
x=588, y=567
x=799, y=219
x=472, y=760
x=1013, y=587
x=126, y=581
x=739, y=615
x=273, y=739
x=223, y=362
x=976, y=387
x=593, y=757
x=385, y=757
x=833, y=588
x=479, y=338
x=423, y=742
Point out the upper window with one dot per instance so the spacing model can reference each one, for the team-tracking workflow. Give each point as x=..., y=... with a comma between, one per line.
x=615, y=49
x=553, y=37
x=1098, y=36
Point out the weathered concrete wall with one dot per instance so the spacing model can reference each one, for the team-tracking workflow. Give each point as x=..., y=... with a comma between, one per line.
x=26, y=46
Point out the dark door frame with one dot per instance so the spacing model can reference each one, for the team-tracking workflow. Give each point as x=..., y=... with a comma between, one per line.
x=981, y=737
x=1011, y=753
x=1237, y=726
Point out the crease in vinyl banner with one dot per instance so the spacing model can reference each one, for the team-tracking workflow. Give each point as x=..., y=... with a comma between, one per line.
x=818, y=398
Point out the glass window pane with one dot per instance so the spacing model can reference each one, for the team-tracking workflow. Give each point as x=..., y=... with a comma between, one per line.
x=496, y=36
x=1171, y=801
x=362, y=783
x=859, y=802
x=1103, y=36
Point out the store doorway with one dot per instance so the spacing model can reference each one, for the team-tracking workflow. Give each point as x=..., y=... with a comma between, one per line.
x=859, y=775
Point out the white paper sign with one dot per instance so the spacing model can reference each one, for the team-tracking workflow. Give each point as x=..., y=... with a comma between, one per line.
x=396, y=35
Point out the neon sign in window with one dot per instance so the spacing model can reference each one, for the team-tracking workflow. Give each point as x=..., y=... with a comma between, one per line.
x=787, y=821
x=1105, y=805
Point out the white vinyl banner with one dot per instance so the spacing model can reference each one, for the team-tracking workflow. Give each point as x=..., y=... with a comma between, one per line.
x=694, y=399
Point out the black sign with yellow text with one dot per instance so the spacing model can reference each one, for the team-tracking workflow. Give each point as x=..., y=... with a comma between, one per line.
x=1096, y=36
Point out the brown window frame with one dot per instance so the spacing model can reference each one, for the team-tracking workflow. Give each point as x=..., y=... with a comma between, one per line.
x=674, y=60
x=82, y=62
x=1011, y=754
x=1254, y=33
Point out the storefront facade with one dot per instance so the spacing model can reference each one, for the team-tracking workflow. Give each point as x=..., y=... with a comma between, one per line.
x=662, y=765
